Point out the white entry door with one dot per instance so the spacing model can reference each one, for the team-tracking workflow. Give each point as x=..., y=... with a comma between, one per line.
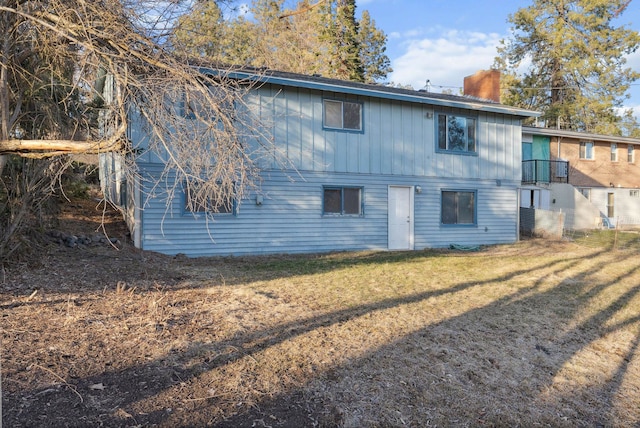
x=400, y=218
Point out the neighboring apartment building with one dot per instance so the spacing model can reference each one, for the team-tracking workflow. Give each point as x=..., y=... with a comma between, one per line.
x=602, y=179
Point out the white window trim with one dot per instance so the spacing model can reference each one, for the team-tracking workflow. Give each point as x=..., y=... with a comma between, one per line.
x=593, y=150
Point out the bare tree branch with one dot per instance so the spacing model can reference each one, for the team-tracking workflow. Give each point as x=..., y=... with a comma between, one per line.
x=60, y=147
x=301, y=10
x=621, y=9
x=96, y=70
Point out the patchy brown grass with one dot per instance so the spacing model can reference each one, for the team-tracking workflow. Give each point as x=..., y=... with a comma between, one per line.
x=537, y=333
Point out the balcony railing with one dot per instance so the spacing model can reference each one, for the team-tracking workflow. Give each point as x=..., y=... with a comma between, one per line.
x=545, y=171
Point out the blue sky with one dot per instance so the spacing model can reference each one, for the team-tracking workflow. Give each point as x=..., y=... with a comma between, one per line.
x=446, y=40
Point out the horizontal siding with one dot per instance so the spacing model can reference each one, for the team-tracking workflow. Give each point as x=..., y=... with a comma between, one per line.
x=496, y=215
x=290, y=219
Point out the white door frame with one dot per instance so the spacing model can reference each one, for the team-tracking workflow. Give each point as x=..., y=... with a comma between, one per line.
x=404, y=225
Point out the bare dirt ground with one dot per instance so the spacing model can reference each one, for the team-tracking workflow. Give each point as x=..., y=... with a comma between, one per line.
x=537, y=333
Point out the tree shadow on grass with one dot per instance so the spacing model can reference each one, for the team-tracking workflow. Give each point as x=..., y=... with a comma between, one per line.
x=484, y=367
x=470, y=373
x=439, y=380
x=84, y=270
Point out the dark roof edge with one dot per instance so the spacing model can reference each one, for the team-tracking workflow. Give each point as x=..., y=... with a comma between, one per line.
x=371, y=90
x=552, y=132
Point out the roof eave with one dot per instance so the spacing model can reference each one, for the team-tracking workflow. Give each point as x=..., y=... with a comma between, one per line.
x=552, y=132
x=372, y=91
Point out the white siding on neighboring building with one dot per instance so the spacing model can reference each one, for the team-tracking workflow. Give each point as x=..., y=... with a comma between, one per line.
x=626, y=206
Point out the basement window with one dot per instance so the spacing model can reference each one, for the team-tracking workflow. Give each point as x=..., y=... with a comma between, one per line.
x=345, y=201
x=195, y=201
x=458, y=207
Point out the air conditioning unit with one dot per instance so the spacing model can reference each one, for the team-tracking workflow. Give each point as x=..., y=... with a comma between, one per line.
x=562, y=168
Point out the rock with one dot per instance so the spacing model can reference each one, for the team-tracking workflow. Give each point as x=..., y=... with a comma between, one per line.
x=56, y=234
x=71, y=241
x=81, y=241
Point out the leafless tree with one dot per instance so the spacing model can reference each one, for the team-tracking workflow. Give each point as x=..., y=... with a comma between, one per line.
x=74, y=72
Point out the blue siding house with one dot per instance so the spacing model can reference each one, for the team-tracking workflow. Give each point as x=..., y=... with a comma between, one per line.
x=371, y=168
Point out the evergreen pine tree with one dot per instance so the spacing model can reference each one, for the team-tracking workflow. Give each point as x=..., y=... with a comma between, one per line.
x=372, y=41
x=577, y=75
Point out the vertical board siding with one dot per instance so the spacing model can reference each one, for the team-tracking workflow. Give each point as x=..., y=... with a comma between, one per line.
x=398, y=138
x=384, y=129
x=290, y=219
x=307, y=113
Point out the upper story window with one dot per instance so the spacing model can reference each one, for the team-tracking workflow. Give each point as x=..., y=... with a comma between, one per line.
x=630, y=153
x=342, y=201
x=342, y=115
x=458, y=207
x=586, y=150
x=194, y=104
x=456, y=133
x=614, y=152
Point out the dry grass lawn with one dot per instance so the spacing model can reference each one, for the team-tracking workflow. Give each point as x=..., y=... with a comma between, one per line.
x=537, y=333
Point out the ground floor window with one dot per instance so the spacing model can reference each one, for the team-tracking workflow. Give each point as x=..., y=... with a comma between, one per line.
x=458, y=207
x=218, y=202
x=586, y=192
x=342, y=200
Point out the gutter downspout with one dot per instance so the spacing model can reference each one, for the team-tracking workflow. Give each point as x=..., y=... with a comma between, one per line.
x=558, y=153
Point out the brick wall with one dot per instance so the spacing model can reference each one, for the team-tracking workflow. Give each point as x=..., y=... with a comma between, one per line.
x=483, y=84
x=601, y=171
